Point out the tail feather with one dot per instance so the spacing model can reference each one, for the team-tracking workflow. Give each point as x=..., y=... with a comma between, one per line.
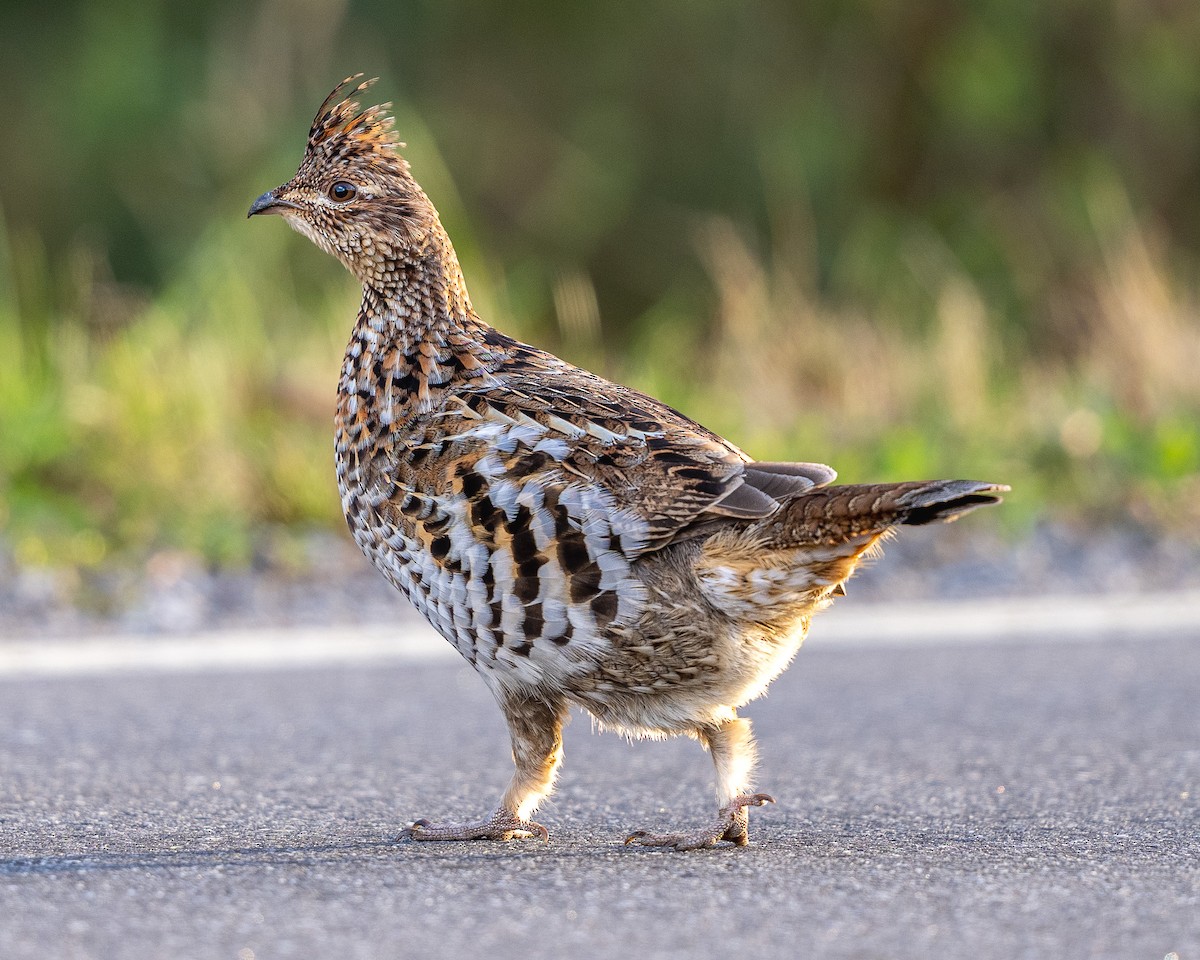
x=836, y=514
x=946, y=500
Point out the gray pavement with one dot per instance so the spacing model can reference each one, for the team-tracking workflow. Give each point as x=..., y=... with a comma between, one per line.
x=1012, y=799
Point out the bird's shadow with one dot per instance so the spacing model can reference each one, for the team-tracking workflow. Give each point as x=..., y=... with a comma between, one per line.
x=231, y=856
x=360, y=852
x=930, y=841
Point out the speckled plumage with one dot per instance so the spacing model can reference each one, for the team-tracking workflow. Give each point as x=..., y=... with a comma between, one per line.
x=577, y=541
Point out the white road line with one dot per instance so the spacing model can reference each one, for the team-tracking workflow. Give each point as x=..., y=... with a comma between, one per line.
x=1052, y=619
x=1045, y=619
x=222, y=650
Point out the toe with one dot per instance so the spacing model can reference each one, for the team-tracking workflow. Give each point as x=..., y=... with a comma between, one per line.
x=502, y=825
x=753, y=800
x=671, y=841
x=732, y=826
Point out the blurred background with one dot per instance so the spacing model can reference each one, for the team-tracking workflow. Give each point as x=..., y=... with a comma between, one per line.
x=907, y=239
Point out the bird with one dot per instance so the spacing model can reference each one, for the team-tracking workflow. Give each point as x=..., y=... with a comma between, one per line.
x=580, y=543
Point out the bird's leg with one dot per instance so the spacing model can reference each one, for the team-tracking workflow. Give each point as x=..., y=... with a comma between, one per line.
x=733, y=753
x=536, y=730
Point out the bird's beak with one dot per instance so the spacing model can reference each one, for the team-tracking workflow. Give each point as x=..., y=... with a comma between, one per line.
x=269, y=202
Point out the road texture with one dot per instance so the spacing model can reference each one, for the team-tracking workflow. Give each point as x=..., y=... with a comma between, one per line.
x=994, y=799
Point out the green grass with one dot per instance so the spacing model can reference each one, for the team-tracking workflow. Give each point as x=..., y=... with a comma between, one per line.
x=967, y=251
x=202, y=418
x=189, y=423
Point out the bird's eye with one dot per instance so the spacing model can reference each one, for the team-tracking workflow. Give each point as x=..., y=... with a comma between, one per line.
x=342, y=191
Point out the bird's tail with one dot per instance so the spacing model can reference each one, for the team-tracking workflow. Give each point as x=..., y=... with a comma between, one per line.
x=838, y=514
x=788, y=565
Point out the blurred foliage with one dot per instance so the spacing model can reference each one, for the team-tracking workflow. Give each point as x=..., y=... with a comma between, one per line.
x=905, y=238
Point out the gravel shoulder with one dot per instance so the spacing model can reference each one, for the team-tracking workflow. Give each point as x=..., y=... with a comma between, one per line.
x=329, y=581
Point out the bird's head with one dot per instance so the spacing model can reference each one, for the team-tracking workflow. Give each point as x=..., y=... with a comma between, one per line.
x=353, y=195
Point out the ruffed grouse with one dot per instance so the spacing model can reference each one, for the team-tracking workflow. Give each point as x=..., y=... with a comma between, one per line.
x=577, y=541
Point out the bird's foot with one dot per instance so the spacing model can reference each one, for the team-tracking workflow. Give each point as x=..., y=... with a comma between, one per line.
x=732, y=824
x=501, y=825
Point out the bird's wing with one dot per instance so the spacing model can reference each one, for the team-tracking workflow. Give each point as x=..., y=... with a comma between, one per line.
x=520, y=502
x=658, y=474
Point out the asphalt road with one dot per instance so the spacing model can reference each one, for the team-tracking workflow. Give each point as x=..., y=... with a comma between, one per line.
x=1025, y=798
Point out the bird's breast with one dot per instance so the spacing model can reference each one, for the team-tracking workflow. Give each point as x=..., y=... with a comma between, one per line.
x=519, y=573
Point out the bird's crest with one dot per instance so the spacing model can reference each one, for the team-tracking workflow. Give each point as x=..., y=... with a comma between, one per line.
x=343, y=131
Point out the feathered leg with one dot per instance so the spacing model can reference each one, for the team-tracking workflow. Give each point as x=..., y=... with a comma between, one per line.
x=732, y=747
x=536, y=730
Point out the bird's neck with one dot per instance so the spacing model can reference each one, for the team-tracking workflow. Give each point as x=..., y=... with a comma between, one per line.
x=416, y=293
x=416, y=336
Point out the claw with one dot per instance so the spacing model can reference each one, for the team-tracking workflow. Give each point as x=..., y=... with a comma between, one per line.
x=537, y=830
x=410, y=832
